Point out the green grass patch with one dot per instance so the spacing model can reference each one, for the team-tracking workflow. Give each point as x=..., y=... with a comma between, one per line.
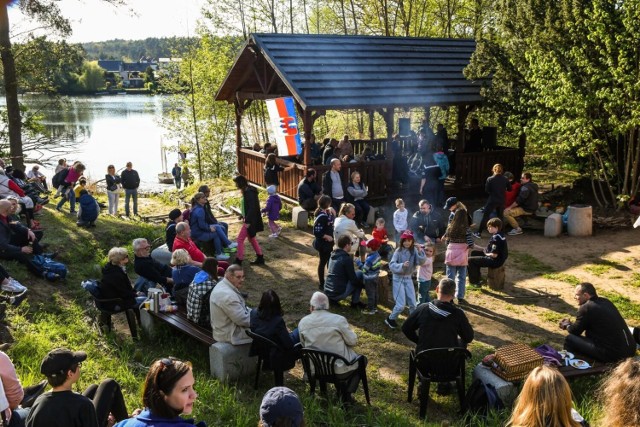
x=562, y=277
x=628, y=309
x=634, y=281
x=528, y=263
x=551, y=316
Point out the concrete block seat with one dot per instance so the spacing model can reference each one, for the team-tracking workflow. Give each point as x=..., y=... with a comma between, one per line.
x=300, y=218
x=227, y=362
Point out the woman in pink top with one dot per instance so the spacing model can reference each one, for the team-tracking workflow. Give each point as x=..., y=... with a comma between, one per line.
x=73, y=174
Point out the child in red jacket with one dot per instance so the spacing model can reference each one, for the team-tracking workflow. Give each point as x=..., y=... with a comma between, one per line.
x=380, y=234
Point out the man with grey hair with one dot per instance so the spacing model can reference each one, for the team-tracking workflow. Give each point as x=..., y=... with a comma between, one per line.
x=325, y=331
x=183, y=241
x=151, y=272
x=228, y=311
x=332, y=184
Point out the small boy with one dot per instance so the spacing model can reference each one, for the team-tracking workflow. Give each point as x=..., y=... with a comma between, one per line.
x=400, y=222
x=380, y=234
x=371, y=271
x=272, y=209
x=88, y=210
x=493, y=256
x=82, y=184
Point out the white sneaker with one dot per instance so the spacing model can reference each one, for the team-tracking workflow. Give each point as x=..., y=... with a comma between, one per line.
x=279, y=231
x=222, y=257
x=515, y=232
x=273, y=235
x=233, y=245
x=13, y=286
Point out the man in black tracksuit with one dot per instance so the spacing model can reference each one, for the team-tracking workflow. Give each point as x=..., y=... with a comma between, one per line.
x=608, y=338
x=439, y=323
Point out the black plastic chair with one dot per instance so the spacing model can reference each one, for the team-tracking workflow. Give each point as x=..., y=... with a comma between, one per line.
x=324, y=371
x=262, y=347
x=110, y=306
x=438, y=365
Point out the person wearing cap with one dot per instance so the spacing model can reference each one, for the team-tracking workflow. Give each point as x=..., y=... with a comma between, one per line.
x=281, y=406
x=168, y=392
x=62, y=407
x=330, y=332
x=343, y=280
x=426, y=224
x=309, y=191
x=113, y=194
x=370, y=272
x=175, y=216
x=34, y=175
x=272, y=209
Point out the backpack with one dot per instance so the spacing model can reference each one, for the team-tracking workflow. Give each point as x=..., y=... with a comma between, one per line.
x=58, y=179
x=481, y=397
x=51, y=266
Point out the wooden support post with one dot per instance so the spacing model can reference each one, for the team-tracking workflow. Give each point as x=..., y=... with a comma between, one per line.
x=307, y=121
x=238, y=110
x=462, y=118
x=427, y=115
x=372, y=132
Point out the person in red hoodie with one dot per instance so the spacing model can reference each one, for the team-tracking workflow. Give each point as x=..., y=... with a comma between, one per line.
x=515, y=189
x=379, y=234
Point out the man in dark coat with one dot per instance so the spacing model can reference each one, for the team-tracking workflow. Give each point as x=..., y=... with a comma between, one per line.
x=439, y=323
x=342, y=280
x=309, y=191
x=496, y=187
x=150, y=271
x=608, y=338
x=130, y=182
x=526, y=203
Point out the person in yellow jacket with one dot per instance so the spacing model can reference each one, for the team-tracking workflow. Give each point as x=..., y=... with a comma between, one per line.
x=82, y=183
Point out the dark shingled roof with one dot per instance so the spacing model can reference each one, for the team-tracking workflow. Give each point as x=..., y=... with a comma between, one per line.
x=329, y=72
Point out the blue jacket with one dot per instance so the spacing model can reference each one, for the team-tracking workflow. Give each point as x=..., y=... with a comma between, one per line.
x=183, y=276
x=147, y=419
x=89, y=208
x=199, y=226
x=341, y=271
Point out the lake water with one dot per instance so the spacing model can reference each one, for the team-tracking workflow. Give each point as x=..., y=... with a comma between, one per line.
x=110, y=129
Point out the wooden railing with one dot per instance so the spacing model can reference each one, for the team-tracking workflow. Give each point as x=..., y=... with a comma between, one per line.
x=472, y=169
x=373, y=174
x=379, y=146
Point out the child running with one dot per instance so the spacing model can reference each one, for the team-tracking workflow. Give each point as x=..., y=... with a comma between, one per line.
x=424, y=273
x=272, y=209
x=370, y=271
x=400, y=222
x=405, y=260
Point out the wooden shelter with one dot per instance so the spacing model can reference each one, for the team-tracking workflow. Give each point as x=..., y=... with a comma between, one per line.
x=374, y=74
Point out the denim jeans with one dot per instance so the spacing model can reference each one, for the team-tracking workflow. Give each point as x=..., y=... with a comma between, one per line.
x=113, y=197
x=404, y=294
x=459, y=274
x=127, y=195
x=68, y=194
x=423, y=291
x=353, y=289
x=222, y=235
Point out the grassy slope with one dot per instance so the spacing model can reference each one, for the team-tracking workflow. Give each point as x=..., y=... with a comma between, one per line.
x=61, y=315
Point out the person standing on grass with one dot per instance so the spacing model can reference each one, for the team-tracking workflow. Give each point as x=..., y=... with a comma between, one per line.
x=323, y=235
x=493, y=256
x=176, y=172
x=99, y=405
x=74, y=172
x=456, y=258
x=113, y=189
x=130, y=183
x=400, y=220
x=186, y=176
x=404, y=262
x=251, y=221
x=496, y=186
x=272, y=209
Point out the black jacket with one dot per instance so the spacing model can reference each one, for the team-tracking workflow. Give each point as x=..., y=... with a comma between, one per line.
x=527, y=197
x=112, y=182
x=430, y=224
x=208, y=214
x=151, y=270
x=170, y=234
x=327, y=187
x=498, y=245
x=323, y=225
x=271, y=174
x=307, y=190
x=275, y=330
x=130, y=179
x=252, y=211
x=10, y=235
x=438, y=324
x=602, y=323
x=341, y=271
x=116, y=284
x=496, y=187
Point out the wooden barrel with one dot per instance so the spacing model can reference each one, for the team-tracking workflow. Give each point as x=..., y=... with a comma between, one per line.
x=580, y=222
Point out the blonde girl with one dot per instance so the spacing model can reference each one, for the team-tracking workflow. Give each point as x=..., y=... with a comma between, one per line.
x=424, y=273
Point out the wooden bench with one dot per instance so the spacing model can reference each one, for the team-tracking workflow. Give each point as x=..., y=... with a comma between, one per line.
x=227, y=362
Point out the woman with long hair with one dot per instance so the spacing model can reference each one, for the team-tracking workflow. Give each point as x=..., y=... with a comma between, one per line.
x=323, y=232
x=113, y=189
x=545, y=400
x=168, y=392
x=456, y=258
x=252, y=221
x=620, y=395
x=266, y=320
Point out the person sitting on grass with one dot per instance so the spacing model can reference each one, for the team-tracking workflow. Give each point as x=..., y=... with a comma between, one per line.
x=150, y=271
x=281, y=407
x=620, y=395
x=343, y=280
x=168, y=392
x=493, y=256
x=545, y=400
x=88, y=210
x=200, y=291
x=182, y=273
x=116, y=284
x=99, y=405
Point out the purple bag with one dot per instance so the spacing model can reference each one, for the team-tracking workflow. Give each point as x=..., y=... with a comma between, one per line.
x=549, y=354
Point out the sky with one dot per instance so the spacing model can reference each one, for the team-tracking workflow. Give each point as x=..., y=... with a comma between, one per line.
x=95, y=20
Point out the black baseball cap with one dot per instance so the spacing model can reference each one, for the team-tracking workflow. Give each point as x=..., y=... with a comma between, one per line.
x=60, y=360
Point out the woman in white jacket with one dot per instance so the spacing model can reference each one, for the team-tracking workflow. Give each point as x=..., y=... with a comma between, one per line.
x=345, y=224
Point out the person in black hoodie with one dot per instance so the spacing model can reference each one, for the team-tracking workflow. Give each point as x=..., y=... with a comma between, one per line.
x=493, y=256
x=323, y=232
x=252, y=221
x=116, y=284
x=130, y=182
x=496, y=187
x=439, y=323
x=342, y=279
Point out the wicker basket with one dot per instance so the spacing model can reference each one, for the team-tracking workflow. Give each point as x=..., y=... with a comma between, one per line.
x=515, y=361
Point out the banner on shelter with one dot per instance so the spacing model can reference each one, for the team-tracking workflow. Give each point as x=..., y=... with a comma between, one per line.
x=284, y=124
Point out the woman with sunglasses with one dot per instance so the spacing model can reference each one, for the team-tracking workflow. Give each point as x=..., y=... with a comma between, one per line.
x=168, y=392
